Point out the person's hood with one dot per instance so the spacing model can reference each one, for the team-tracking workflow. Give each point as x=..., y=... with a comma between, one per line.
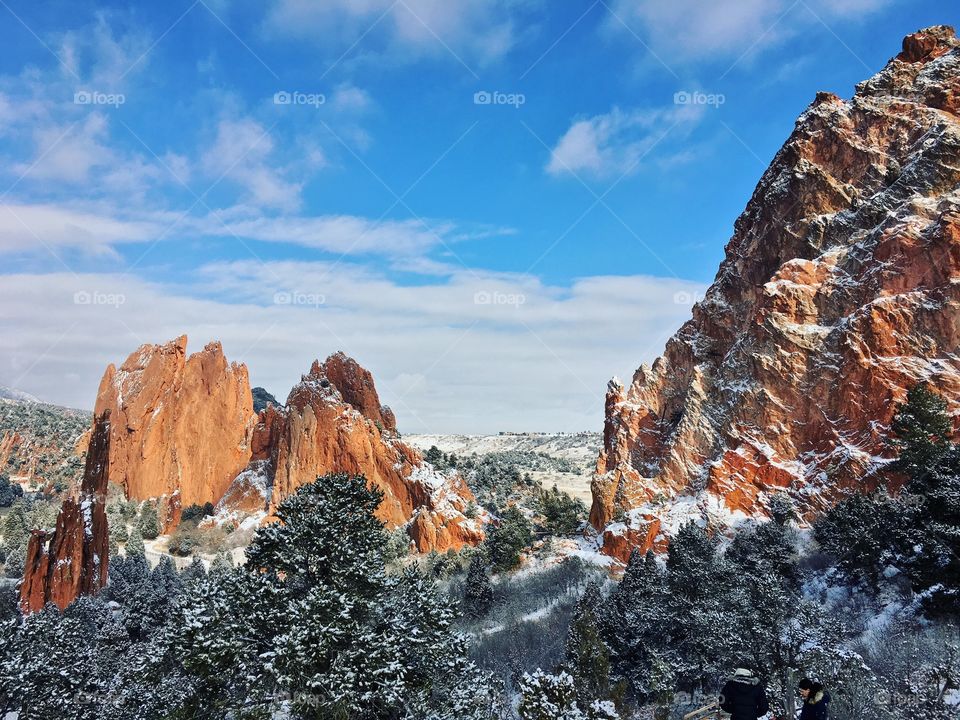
x=822, y=696
x=746, y=677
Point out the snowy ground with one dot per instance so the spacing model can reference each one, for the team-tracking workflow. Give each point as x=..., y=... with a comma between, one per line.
x=580, y=449
x=154, y=550
x=542, y=559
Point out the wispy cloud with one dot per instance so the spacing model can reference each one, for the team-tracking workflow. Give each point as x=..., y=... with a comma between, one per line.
x=439, y=351
x=614, y=143
x=241, y=152
x=473, y=31
x=100, y=227
x=685, y=30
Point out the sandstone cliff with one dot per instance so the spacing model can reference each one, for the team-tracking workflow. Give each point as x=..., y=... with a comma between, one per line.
x=181, y=425
x=333, y=422
x=840, y=288
x=184, y=430
x=73, y=559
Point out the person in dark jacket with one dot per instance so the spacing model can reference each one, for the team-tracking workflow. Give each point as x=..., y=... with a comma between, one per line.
x=815, y=700
x=744, y=696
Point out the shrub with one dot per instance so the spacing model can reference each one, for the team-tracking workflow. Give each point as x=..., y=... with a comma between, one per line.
x=196, y=512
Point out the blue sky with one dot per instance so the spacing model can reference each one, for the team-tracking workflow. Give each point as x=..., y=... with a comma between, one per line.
x=493, y=263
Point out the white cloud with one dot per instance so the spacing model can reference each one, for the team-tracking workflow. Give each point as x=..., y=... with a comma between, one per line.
x=241, y=153
x=69, y=153
x=615, y=143
x=474, y=30
x=438, y=355
x=99, y=226
x=101, y=59
x=341, y=233
x=349, y=98
x=693, y=29
x=36, y=227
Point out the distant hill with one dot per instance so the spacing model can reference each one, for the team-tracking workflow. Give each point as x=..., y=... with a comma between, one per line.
x=7, y=393
x=574, y=455
x=39, y=442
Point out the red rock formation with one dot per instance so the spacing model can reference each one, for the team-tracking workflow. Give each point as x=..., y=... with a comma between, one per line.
x=73, y=559
x=184, y=431
x=356, y=386
x=619, y=542
x=180, y=425
x=840, y=289
x=333, y=422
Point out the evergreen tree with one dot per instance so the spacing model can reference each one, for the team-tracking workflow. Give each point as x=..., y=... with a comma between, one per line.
x=702, y=601
x=507, y=540
x=923, y=429
x=935, y=568
x=13, y=566
x=632, y=625
x=562, y=514
x=782, y=509
x=554, y=697
x=434, y=457
x=587, y=657
x=117, y=525
x=861, y=533
x=222, y=562
x=16, y=525
x=478, y=592
x=9, y=603
x=149, y=522
x=134, y=546
x=340, y=637
x=9, y=492
x=193, y=572
x=763, y=558
x=55, y=665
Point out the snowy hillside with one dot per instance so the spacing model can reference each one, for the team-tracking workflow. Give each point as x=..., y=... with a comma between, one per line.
x=7, y=393
x=577, y=451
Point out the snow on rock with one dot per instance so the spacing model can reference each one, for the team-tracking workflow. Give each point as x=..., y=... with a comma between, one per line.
x=73, y=560
x=838, y=292
x=333, y=422
x=180, y=424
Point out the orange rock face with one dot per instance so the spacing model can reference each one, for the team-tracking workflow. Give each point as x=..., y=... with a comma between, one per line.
x=333, y=422
x=184, y=432
x=357, y=389
x=180, y=425
x=73, y=559
x=840, y=289
x=620, y=540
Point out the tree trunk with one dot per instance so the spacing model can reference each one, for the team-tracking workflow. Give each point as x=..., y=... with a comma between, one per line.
x=791, y=697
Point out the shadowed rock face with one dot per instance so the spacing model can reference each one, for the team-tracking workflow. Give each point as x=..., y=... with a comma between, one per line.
x=181, y=426
x=840, y=289
x=73, y=559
